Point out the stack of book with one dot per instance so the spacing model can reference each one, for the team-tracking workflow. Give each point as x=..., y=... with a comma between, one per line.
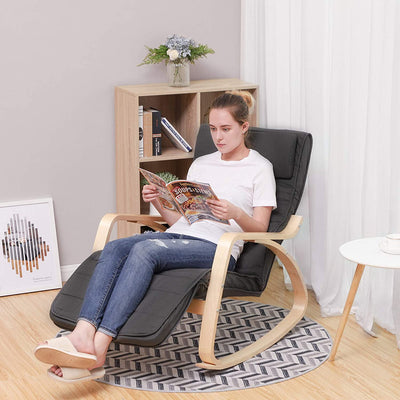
x=141, y=139
x=150, y=125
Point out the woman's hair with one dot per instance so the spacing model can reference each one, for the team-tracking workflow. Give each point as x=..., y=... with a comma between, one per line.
x=240, y=104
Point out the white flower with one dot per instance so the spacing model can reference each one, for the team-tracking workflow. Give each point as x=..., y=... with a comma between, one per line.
x=173, y=54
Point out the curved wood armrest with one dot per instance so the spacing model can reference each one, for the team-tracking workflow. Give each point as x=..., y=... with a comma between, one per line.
x=290, y=231
x=107, y=222
x=216, y=286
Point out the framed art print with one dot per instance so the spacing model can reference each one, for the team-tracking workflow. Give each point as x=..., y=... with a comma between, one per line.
x=29, y=259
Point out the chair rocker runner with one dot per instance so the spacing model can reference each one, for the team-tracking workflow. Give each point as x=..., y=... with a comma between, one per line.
x=159, y=311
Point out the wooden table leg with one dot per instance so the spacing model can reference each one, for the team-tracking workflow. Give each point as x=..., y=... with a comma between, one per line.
x=347, y=308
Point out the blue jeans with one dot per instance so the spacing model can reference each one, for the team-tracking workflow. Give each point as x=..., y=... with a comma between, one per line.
x=125, y=270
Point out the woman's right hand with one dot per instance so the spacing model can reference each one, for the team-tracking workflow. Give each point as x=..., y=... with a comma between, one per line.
x=150, y=193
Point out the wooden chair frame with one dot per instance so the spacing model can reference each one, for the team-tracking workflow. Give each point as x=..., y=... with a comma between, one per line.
x=210, y=307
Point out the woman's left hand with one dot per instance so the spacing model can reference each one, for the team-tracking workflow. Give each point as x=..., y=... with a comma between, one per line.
x=224, y=209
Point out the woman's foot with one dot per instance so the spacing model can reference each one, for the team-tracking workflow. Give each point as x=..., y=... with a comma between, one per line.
x=98, y=346
x=101, y=344
x=82, y=337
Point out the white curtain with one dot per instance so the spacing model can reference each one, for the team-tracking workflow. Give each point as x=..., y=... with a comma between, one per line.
x=332, y=68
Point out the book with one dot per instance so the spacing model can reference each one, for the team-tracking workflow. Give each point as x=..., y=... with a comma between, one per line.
x=156, y=131
x=157, y=150
x=156, y=122
x=174, y=136
x=147, y=133
x=140, y=131
x=187, y=198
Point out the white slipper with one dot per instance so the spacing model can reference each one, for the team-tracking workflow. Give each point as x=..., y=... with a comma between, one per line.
x=73, y=375
x=61, y=351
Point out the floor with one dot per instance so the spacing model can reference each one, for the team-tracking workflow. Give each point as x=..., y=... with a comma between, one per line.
x=365, y=367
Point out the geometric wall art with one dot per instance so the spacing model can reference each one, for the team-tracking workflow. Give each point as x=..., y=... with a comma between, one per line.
x=29, y=258
x=23, y=245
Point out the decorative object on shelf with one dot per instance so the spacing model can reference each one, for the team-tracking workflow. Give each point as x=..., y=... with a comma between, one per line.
x=178, y=74
x=165, y=176
x=177, y=53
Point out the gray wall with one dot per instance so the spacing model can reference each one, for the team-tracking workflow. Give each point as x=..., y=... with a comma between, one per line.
x=59, y=63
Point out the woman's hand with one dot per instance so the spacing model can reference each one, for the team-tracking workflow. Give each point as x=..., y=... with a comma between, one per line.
x=224, y=209
x=150, y=193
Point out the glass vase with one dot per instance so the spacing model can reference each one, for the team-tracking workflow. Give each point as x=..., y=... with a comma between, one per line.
x=178, y=74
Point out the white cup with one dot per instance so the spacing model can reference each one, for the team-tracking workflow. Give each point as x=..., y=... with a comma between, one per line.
x=392, y=242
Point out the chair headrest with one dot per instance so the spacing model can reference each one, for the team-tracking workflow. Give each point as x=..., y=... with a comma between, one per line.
x=276, y=145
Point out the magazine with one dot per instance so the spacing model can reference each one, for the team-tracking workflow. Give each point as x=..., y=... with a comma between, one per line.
x=187, y=198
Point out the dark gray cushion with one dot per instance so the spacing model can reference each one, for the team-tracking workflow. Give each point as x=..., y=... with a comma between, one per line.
x=167, y=298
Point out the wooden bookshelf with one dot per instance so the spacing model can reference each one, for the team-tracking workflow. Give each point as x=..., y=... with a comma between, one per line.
x=186, y=108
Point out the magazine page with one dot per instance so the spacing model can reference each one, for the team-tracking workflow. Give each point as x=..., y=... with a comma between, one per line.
x=191, y=198
x=165, y=198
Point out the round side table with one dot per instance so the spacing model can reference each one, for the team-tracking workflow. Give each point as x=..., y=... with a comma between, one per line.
x=363, y=252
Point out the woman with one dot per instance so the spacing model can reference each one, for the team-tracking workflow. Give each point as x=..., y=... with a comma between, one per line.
x=244, y=183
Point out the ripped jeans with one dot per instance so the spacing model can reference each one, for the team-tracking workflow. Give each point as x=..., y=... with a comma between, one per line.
x=125, y=270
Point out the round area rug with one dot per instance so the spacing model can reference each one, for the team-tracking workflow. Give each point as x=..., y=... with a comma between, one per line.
x=170, y=367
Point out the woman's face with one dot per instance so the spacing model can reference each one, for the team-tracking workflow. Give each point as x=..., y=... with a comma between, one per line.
x=228, y=134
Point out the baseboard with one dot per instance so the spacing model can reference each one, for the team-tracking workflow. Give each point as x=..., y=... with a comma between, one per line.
x=67, y=271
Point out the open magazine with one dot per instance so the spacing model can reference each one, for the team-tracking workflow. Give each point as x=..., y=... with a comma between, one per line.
x=187, y=198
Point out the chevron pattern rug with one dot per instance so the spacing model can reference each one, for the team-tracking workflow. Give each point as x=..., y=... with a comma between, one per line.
x=170, y=367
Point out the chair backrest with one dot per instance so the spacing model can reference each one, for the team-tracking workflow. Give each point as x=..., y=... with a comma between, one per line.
x=289, y=152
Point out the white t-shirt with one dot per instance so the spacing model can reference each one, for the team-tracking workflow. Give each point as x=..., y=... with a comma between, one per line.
x=246, y=183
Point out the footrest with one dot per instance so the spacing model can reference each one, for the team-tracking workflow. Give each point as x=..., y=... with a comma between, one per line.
x=167, y=298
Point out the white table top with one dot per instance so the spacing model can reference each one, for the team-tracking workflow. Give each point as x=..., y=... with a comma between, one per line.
x=367, y=252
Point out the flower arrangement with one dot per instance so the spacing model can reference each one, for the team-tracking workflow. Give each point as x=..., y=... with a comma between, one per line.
x=177, y=49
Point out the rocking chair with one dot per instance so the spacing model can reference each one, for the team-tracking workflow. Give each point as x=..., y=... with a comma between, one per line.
x=162, y=308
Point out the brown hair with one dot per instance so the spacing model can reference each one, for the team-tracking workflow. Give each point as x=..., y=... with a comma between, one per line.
x=239, y=103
